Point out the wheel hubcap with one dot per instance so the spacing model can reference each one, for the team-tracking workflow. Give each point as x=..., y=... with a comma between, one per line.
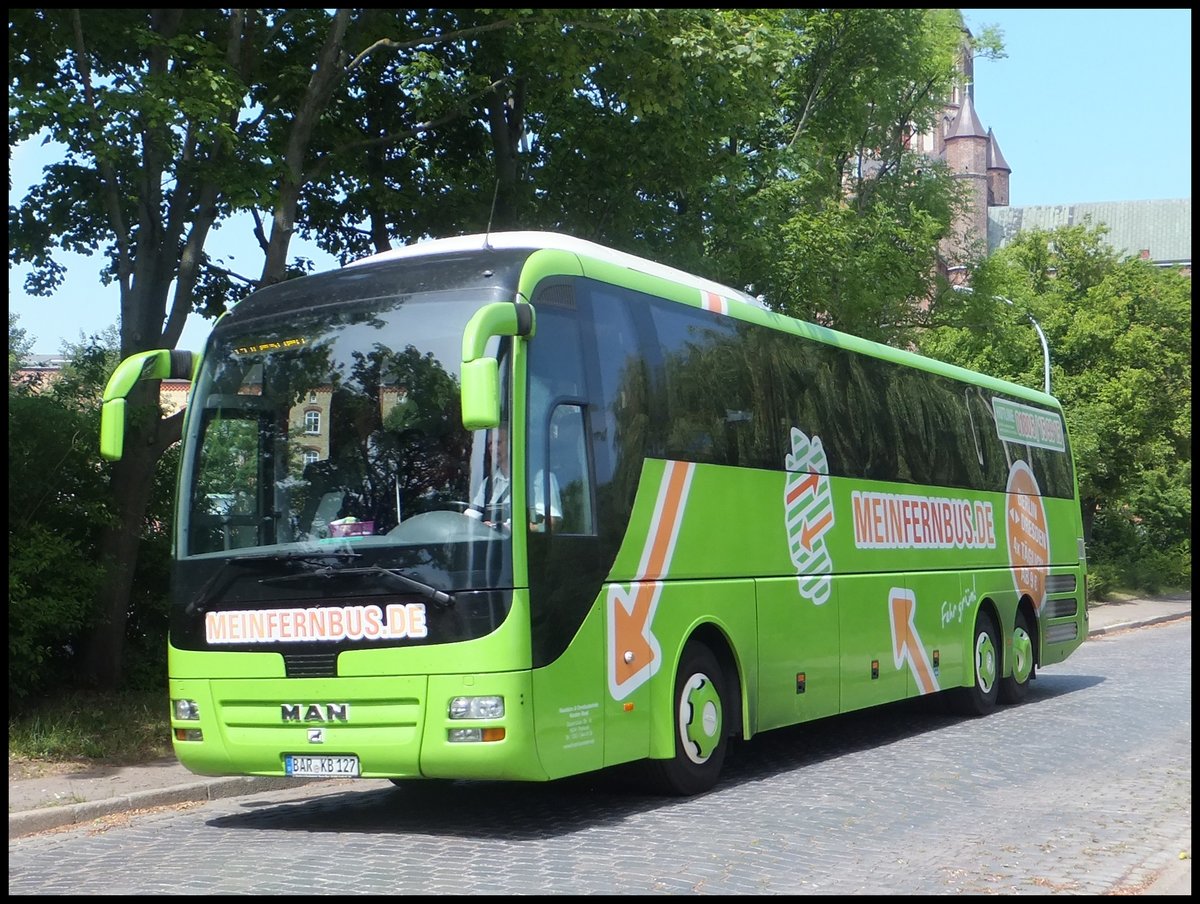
x=700, y=718
x=1022, y=655
x=985, y=662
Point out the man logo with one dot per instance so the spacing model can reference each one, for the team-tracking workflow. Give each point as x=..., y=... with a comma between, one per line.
x=315, y=712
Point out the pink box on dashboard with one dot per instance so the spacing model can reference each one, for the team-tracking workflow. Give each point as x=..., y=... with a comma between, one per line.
x=348, y=527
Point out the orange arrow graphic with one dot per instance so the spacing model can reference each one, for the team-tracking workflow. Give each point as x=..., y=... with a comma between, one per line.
x=665, y=523
x=811, y=531
x=631, y=609
x=631, y=629
x=905, y=642
x=805, y=485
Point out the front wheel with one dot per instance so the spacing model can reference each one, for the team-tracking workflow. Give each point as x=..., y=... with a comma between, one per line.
x=701, y=734
x=1014, y=688
x=980, y=698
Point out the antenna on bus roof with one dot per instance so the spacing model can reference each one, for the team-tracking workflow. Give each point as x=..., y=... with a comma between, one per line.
x=495, y=194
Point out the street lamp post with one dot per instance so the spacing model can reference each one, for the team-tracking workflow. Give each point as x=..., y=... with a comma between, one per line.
x=1037, y=326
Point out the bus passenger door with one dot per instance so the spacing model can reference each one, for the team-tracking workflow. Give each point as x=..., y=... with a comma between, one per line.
x=571, y=529
x=567, y=627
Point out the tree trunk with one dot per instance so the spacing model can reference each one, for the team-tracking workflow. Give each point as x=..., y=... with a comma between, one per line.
x=131, y=486
x=505, y=116
x=1089, y=518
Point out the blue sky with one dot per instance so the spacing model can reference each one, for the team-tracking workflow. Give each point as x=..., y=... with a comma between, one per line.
x=1088, y=105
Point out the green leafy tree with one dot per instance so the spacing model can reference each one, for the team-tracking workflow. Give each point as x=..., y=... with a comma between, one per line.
x=758, y=147
x=835, y=218
x=149, y=106
x=601, y=123
x=1119, y=333
x=762, y=147
x=20, y=344
x=59, y=505
x=174, y=120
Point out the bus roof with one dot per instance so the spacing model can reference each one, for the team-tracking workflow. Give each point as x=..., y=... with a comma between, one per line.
x=533, y=240
x=558, y=241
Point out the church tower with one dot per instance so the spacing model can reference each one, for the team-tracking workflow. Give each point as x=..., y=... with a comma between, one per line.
x=998, y=173
x=967, y=146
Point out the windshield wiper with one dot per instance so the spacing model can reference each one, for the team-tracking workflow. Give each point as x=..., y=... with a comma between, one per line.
x=431, y=593
x=222, y=576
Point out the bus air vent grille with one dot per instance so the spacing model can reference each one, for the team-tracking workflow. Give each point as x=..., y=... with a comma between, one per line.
x=1062, y=633
x=559, y=296
x=1060, y=583
x=1060, y=608
x=310, y=665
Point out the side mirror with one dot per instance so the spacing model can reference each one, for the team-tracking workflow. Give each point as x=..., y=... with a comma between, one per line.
x=161, y=364
x=480, y=388
x=481, y=393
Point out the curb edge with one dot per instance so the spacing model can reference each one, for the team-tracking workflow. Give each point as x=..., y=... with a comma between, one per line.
x=29, y=822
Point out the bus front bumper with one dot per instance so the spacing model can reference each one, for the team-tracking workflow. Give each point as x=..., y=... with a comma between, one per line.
x=395, y=727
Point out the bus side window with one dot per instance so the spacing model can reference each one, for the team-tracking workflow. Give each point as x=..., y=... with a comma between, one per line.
x=995, y=462
x=569, y=472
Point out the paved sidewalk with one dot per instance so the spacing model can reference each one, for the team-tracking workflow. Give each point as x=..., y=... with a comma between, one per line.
x=40, y=804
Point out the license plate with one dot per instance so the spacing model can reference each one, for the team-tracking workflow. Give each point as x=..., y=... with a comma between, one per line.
x=321, y=766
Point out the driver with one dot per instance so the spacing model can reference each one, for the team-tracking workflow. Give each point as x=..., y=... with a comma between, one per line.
x=494, y=496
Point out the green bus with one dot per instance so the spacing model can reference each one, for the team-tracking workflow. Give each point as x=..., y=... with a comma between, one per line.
x=726, y=521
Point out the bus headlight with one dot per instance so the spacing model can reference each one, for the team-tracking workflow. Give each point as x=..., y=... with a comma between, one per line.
x=186, y=710
x=477, y=708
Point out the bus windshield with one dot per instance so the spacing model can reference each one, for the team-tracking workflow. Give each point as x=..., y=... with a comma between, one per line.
x=335, y=430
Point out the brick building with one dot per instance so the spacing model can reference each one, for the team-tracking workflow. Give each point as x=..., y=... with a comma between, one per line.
x=310, y=419
x=41, y=371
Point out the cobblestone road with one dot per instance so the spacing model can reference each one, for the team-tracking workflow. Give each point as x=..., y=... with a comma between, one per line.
x=1084, y=789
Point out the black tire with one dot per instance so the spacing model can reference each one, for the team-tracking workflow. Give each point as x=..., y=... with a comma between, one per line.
x=1014, y=688
x=701, y=708
x=980, y=698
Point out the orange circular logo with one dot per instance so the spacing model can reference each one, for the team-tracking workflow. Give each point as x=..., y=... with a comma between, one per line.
x=1028, y=540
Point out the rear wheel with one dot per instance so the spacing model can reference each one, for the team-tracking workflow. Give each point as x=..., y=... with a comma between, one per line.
x=1014, y=688
x=701, y=734
x=980, y=698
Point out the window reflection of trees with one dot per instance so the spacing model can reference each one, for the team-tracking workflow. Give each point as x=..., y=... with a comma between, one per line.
x=628, y=436
x=396, y=436
x=248, y=448
x=730, y=391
